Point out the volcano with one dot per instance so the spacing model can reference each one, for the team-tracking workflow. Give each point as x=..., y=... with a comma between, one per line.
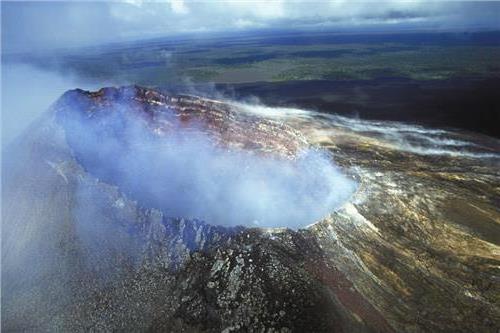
x=114, y=218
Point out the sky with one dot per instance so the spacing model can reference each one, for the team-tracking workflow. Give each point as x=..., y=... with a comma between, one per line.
x=33, y=26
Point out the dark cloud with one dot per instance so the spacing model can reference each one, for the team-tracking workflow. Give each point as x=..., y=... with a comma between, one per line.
x=396, y=14
x=30, y=26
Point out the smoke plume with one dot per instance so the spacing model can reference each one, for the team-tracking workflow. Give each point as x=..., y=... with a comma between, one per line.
x=184, y=174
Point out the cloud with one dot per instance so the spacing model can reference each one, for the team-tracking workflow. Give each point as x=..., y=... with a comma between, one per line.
x=44, y=25
x=179, y=7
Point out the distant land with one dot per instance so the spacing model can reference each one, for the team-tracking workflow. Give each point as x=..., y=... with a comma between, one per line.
x=444, y=79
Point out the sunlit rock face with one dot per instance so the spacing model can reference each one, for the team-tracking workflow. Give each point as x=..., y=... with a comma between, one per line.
x=163, y=113
x=420, y=238
x=413, y=246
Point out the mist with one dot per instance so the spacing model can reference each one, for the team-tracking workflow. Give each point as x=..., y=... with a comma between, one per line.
x=27, y=92
x=416, y=139
x=184, y=174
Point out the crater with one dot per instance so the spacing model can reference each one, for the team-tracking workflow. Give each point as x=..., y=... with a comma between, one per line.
x=203, y=159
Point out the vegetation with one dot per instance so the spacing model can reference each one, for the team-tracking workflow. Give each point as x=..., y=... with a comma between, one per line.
x=252, y=59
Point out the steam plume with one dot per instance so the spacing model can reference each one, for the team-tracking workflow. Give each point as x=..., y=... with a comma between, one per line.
x=185, y=174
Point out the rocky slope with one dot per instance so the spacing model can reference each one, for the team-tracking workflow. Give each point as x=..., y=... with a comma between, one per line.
x=416, y=248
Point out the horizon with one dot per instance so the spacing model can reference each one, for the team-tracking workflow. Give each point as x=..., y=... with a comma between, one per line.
x=46, y=26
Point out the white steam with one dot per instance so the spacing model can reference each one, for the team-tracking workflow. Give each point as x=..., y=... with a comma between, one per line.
x=399, y=136
x=27, y=92
x=185, y=175
x=414, y=138
x=271, y=112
